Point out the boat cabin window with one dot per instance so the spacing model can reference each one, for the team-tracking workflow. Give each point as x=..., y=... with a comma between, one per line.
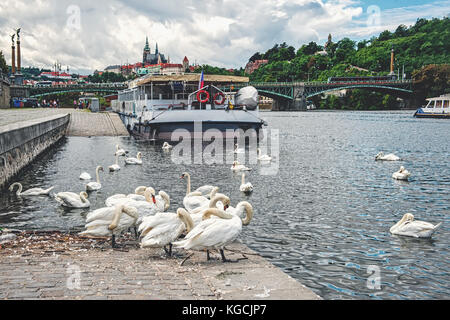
x=439, y=104
x=446, y=103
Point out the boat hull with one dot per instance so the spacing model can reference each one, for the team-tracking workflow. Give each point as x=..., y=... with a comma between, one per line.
x=194, y=124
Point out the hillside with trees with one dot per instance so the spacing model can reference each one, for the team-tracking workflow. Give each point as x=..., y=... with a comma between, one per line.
x=422, y=49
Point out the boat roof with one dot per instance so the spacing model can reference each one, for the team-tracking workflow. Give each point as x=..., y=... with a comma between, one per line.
x=191, y=77
x=443, y=97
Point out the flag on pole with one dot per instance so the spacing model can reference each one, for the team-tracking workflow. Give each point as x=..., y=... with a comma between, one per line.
x=201, y=83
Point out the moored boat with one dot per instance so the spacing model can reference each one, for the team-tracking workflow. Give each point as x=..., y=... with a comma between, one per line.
x=438, y=107
x=162, y=107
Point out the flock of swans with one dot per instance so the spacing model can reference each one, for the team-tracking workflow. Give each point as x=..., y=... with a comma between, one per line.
x=407, y=226
x=207, y=218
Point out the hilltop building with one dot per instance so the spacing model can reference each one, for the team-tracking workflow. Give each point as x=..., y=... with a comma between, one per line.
x=152, y=58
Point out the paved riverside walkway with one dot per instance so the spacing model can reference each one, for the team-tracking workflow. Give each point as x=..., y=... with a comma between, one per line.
x=65, y=266
x=82, y=123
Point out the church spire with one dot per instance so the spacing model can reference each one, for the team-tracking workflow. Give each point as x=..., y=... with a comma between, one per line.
x=147, y=47
x=156, y=49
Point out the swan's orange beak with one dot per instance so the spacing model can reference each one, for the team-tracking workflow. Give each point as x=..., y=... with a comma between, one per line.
x=154, y=200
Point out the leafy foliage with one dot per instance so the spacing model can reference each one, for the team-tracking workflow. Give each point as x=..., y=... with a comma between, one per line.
x=425, y=43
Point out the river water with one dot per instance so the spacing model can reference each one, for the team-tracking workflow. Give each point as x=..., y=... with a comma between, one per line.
x=324, y=218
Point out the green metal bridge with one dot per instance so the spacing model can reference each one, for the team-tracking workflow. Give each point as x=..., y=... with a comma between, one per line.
x=296, y=93
x=41, y=91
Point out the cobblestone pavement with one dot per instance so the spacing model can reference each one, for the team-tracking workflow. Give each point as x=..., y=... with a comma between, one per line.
x=93, y=272
x=82, y=123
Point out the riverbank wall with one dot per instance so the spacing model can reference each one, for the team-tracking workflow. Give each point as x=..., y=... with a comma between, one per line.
x=21, y=142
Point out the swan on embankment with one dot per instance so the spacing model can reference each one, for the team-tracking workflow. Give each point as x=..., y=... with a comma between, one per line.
x=215, y=233
x=163, y=228
x=110, y=221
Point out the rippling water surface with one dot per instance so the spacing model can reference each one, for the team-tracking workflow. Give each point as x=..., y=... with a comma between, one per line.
x=324, y=218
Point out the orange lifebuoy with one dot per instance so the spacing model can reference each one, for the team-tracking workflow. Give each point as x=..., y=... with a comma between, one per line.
x=199, y=94
x=222, y=101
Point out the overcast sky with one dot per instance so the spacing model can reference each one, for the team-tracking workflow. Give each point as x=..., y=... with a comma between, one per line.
x=88, y=35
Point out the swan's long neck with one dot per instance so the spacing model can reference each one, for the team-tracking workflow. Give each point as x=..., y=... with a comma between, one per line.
x=248, y=212
x=243, y=179
x=83, y=197
x=97, y=173
x=117, y=159
x=213, y=192
x=216, y=212
x=402, y=220
x=188, y=190
x=166, y=199
x=19, y=190
x=149, y=195
x=213, y=202
x=185, y=217
x=117, y=214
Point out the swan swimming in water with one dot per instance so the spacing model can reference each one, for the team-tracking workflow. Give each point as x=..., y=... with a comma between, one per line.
x=388, y=157
x=263, y=157
x=401, y=174
x=110, y=221
x=137, y=160
x=245, y=187
x=407, y=226
x=30, y=192
x=85, y=176
x=166, y=146
x=115, y=166
x=73, y=200
x=215, y=233
x=120, y=151
x=239, y=167
x=237, y=149
x=92, y=186
x=164, y=228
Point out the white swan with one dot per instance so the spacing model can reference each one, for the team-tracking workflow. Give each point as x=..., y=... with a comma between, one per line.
x=401, y=174
x=239, y=167
x=110, y=221
x=237, y=149
x=245, y=187
x=407, y=226
x=263, y=157
x=115, y=166
x=120, y=151
x=164, y=228
x=388, y=157
x=205, y=190
x=92, y=186
x=148, y=207
x=197, y=213
x=137, y=160
x=30, y=192
x=166, y=146
x=138, y=195
x=73, y=200
x=85, y=176
x=238, y=210
x=215, y=233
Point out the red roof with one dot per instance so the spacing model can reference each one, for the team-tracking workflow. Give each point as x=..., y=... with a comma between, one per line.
x=185, y=59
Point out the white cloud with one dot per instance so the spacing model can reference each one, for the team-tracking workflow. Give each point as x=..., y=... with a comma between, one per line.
x=219, y=32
